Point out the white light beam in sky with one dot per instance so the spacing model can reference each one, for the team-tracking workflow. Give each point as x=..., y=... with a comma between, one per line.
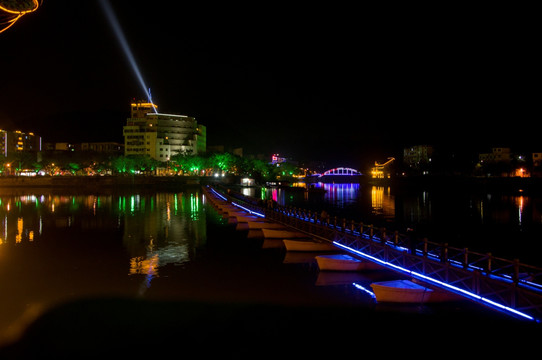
x=113, y=21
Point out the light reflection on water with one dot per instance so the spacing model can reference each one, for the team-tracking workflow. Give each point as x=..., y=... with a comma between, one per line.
x=343, y=198
x=58, y=247
x=505, y=224
x=413, y=207
x=55, y=248
x=157, y=229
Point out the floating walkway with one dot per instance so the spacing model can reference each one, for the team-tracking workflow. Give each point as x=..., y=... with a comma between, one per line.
x=260, y=227
x=508, y=286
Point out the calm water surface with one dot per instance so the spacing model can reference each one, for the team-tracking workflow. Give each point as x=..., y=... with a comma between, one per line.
x=167, y=245
x=507, y=225
x=57, y=247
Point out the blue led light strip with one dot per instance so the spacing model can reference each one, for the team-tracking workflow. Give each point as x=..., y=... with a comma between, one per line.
x=218, y=194
x=247, y=209
x=362, y=288
x=235, y=204
x=438, y=282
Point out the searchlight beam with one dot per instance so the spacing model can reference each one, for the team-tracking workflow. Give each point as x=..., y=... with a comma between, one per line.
x=115, y=25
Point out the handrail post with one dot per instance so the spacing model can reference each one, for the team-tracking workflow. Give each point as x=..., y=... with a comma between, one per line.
x=515, y=276
x=371, y=231
x=488, y=268
x=444, y=253
x=396, y=238
x=383, y=236
x=425, y=246
x=465, y=258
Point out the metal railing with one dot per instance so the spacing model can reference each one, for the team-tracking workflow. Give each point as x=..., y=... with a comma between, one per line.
x=500, y=283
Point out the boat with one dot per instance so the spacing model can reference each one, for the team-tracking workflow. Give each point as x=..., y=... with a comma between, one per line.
x=297, y=257
x=254, y=233
x=307, y=245
x=239, y=213
x=247, y=218
x=343, y=262
x=401, y=291
x=264, y=225
x=272, y=243
x=330, y=278
x=407, y=291
x=230, y=210
x=243, y=219
x=241, y=226
x=282, y=233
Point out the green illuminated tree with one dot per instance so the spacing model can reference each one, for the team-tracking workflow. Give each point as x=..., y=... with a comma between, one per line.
x=188, y=164
x=222, y=162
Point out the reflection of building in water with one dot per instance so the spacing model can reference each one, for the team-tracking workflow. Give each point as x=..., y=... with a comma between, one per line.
x=520, y=203
x=382, y=202
x=16, y=232
x=162, y=229
x=142, y=265
x=158, y=229
x=515, y=210
x=23, y=217
x=417, y=209
x=17, y=224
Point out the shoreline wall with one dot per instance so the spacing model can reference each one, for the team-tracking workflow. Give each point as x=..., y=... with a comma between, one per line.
x=86, y=182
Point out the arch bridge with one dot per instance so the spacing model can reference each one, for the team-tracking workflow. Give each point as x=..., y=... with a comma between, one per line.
x=342, y=171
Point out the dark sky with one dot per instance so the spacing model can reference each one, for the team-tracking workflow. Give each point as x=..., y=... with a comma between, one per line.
x=314, y=82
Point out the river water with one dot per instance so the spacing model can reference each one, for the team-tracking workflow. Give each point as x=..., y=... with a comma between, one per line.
x=60, y=246
x=509, y=225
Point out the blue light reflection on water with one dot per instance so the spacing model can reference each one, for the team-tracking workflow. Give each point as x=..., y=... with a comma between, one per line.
x=341, y=195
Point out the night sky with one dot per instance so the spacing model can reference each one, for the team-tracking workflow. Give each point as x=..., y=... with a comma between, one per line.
x=347, y=85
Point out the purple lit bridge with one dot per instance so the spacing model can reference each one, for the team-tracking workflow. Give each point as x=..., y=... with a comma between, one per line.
x=339, y=174
x=341, y=171
x=504, y=285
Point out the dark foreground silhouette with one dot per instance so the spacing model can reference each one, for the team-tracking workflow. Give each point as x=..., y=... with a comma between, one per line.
x=141, y=328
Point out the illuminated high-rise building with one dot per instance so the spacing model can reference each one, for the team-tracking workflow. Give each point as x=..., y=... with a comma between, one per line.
x=161, y=136
x=18, y=142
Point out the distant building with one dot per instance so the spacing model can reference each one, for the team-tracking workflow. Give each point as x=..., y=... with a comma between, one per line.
x=103, y=147
x=62, y=146
x=497, y=155
x=215, y=149
x=382, y=170
x=277, y=159
x=109, y=147
x=162, y=136
x=417, y=157
x=17, y=142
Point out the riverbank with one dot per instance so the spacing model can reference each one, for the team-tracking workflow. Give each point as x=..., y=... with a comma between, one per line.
x=492, y=184
x=93, y=182
x=483, y=184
